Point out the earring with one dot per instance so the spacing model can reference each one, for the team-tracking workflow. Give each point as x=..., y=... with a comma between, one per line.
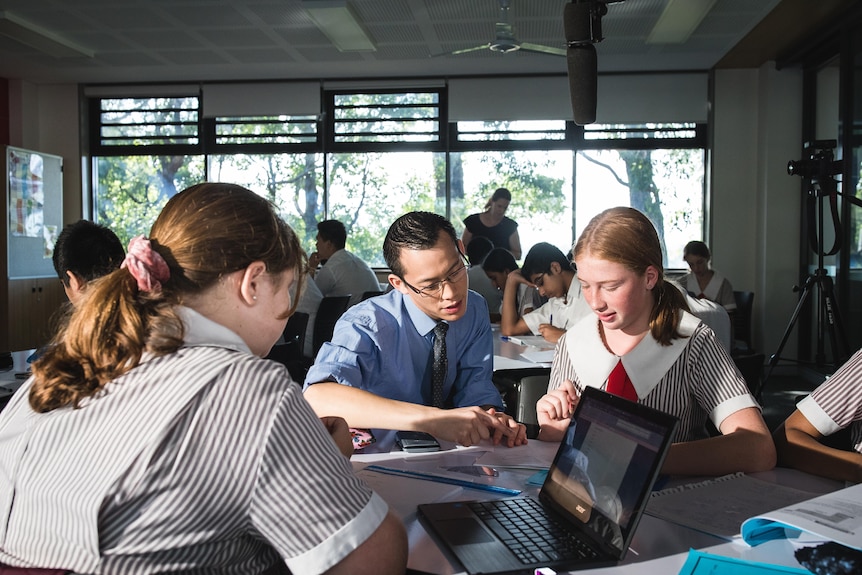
x=254, y=297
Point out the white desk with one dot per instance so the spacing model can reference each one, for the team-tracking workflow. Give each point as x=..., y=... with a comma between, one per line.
x=659, y=547
x=508, y=355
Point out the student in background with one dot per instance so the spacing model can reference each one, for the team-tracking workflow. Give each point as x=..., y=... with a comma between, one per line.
x=343, y=273
x=477, y=251
x=642, y=343
x=85, y=251
x=702, y=281
x=153, y=438
x=308, y=303
x=377, y=370
x=498, y=264
x=493, y=224
x=836, y=405
x=547, y=269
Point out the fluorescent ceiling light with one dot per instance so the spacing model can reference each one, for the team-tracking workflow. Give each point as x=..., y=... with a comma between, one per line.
x=39, y=38
x=679, y=20
x=336, y=19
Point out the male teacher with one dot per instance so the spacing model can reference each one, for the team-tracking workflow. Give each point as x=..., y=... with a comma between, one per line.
x=418, y=358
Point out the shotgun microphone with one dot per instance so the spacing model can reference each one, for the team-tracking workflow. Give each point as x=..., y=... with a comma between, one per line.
x=582, y=24
x=583, y=78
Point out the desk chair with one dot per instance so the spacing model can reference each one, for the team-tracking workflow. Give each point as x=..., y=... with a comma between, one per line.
x=331, y=308
x=289, y=351
x=521, y=389
x=742, y=341
x=369, y=294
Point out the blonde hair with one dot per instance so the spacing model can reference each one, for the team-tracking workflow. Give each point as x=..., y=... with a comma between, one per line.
x=204, y=233
x=627, y=237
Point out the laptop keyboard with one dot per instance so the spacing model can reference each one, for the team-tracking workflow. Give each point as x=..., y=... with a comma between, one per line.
x=525, y=528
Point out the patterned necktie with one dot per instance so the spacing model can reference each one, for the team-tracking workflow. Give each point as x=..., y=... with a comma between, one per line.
x=620, y=384
x=440, y=365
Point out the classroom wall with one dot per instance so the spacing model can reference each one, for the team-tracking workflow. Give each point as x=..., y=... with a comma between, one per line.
x=45, y=118
x=756, y=129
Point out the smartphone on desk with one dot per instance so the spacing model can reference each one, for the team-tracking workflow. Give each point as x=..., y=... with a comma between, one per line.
x=416, y=441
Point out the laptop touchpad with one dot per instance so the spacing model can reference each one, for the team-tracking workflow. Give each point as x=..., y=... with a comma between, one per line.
x=464, y=531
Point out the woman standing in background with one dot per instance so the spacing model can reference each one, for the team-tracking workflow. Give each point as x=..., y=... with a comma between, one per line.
x=494, y=225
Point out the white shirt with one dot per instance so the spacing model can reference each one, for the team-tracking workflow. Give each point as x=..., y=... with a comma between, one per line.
x=565, y=311
x=309, y=303
x=346, y=274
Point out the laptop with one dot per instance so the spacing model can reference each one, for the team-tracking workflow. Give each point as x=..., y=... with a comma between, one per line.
x=589, y=505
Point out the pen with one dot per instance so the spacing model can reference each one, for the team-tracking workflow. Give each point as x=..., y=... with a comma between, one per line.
x=551, y=319
x=512, y=339
x=443, y=479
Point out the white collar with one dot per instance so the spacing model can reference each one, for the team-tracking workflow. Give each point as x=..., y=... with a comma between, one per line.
x=201, y=330
x=645, y=365
x=714, y=285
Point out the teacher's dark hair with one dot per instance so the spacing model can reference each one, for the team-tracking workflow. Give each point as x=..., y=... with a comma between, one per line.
x=414, y=231
x=499, y=194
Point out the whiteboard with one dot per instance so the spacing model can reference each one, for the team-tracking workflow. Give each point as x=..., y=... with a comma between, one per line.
x=34, y=207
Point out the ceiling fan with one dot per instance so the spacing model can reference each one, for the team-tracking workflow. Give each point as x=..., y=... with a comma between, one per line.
x=505, y=40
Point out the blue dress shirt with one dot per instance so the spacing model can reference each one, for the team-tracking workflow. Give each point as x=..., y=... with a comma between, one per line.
x=383, y=345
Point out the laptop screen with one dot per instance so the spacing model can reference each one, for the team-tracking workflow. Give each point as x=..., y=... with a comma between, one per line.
x=607, y=462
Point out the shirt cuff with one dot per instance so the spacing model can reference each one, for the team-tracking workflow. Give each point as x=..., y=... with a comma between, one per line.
x=815, y=415
x=727, y=408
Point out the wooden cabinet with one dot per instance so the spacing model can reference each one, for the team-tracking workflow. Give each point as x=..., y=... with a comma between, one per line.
x=33, y=308
x=30, y=292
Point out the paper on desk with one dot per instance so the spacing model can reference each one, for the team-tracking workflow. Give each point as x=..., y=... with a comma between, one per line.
x=541, y=356
x=400, y=492
x=513, y=458
x=719, y=506
x=700, y=563
x=501, y=362
x=835, y=516
x=535, y=341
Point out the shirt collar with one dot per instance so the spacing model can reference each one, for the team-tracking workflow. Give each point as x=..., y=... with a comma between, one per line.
x=645, y=365
x=423, y=323
x=202, y=331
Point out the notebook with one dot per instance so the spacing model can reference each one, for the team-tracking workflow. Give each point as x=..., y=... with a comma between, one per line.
x=588, y=507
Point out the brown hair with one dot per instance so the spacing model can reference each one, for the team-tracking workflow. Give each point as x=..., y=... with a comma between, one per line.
x=499, y=194
x=627, y=237
x=204, y=233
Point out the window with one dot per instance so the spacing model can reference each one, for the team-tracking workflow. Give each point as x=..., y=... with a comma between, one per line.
x=372, y=155
x=385, y=117
x=665, y=184
x=131, y=190
x=148, y=121
x=266, y=130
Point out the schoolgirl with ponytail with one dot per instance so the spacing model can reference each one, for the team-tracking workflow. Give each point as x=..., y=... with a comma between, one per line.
x=643, y=343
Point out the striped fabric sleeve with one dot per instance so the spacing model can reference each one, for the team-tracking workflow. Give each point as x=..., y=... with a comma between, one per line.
x=839, y=398
x=308, y=504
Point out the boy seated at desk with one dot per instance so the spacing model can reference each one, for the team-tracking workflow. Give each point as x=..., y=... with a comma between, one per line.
x=834, y=406
x=548, y=269
x=397, y=361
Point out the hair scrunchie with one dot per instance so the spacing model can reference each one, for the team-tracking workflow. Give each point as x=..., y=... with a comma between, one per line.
x=146, y=265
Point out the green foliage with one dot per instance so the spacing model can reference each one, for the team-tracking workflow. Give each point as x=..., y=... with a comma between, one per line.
x=132, y=189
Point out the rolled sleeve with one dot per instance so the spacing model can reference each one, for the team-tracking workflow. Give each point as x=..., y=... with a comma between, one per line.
x=817, y=416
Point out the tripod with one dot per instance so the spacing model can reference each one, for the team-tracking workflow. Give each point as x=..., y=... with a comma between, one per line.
x=828, y=315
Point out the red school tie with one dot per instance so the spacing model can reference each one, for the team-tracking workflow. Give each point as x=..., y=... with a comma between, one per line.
x=620, y=384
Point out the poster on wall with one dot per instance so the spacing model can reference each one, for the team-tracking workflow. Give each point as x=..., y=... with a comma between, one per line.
x=26, y=194
x=34, y=188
